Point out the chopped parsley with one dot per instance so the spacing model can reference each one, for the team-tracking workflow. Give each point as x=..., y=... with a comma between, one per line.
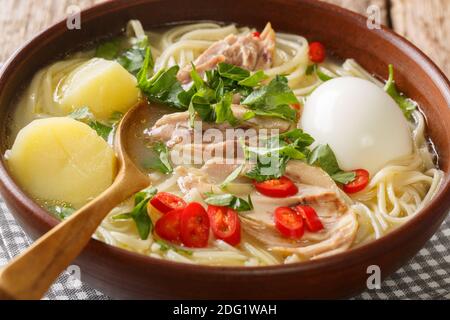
x=166, y=246
x=61, y=211
x=406, y=105
x=86, y=116
x=160, y=159
x=322, y=156
x=139, y=213
x=132, y=59
x=211, y=98
x=273, y=154
x=229, y=200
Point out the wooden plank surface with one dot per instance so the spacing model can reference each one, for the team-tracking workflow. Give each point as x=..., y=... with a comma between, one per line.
x=20, y=20
x=361, y=6
x=424, y=22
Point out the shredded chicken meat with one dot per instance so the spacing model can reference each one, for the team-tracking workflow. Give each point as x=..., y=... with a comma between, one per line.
x=247, y=51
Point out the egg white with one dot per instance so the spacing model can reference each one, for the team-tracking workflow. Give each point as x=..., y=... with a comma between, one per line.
x=362, y=124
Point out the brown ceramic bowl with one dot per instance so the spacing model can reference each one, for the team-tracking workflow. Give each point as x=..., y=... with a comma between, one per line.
x=122, y=274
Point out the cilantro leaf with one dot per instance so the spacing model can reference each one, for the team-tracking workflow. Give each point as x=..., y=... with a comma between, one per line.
x=86, y=116
x=274, y=153
x=82, y=114
x=233, y=176
x=406, y=105
x=344, y=177
x=132, y=59
x=223, y=110
x=166, y=246
x=232, y=72
x=322, y=156
x=273, y=100
x=108, y=50
x=310, y=69
x=61, y=211
x=163, y=87
x=254, y=79
x=159, y=160
x=229, y=200
x=139, y=213
x=102, y=129
x=322, y=75
x=263, y=171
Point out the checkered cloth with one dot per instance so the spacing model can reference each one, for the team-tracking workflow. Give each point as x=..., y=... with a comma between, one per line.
x=426, y=276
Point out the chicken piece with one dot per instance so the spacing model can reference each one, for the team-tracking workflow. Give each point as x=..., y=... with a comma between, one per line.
x=316, y=189
x=193, y=178
x=174, y=128
x=333, y=239
x=247, y=51
x=199, y=153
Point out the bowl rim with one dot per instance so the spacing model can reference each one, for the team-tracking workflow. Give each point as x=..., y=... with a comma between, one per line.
x=400, y=234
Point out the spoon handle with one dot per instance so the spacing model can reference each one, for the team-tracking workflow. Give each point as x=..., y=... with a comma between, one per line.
x=30, y=274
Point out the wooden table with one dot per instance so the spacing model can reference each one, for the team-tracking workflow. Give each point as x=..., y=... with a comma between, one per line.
x=425, y=22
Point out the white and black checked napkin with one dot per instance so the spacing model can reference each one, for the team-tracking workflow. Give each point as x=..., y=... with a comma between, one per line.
x=426, y=276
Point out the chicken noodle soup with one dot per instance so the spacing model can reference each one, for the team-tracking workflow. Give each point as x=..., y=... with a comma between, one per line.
x=260, y=148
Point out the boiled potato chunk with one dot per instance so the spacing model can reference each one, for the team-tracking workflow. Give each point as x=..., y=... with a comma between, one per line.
x=62, y=159
x=102, y=85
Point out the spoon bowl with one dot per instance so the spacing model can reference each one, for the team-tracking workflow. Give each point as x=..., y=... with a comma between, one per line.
x=29, y=275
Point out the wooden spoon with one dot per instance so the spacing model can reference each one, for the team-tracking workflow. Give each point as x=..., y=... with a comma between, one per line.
x=29, y=275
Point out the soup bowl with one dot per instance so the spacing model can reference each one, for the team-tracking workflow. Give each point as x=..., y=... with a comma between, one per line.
x=123, y=274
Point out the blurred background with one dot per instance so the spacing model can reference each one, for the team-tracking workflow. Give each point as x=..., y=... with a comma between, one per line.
x=424, y=22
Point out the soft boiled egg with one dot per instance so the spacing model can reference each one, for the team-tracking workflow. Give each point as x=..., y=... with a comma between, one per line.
x=361, y=123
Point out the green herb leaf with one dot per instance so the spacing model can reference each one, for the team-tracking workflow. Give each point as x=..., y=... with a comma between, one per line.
x=273, y=100
x=221, y=200
x=115, y=117
x=406, y=105
x=108, y=50
x=201, y=104
x=274, y=153
x=134, y=58
x=266, y=171
x=163, y=87
x=344, y=177
x=61, y=211
x=86, y=116
x=233, y=176
x=160, y=159
x=140, y=216
x=122, y=216
x=144, y=194
x=311, y=69
x=229, y=200
x=102, y=129
x=198, y=81
x=322, y=75
x=248, y=115
x=82, y=114
x=223, y=110
x=241, y=205
x=165, y=246
x=139, y=213
x=322, y=156
x=314, y=68
x=301, y=139
x=232, y=72
x=254, y=79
